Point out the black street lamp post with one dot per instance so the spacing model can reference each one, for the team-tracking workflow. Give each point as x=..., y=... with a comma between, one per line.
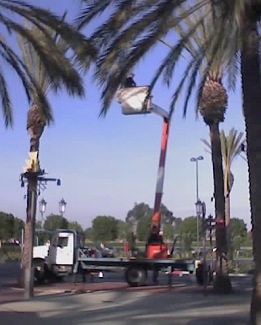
x=62, y=206
x=196, y=160
x=36, y=182
x=42, y=208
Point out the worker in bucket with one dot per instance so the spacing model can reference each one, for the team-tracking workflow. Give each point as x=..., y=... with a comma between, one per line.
x=129, y=81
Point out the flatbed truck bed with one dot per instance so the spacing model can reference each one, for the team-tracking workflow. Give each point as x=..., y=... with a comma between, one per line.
x=135, y=268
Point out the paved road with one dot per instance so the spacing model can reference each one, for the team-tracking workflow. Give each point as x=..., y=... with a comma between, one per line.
x=111, y=301
x=9, y=272
x=129, y=307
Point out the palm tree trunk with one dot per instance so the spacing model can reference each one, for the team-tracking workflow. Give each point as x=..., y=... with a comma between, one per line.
x=27, y=276
x=227, y=210
x=222, y=282
x=251, y=86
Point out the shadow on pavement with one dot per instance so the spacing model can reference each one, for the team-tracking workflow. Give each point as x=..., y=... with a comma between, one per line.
x=129, y=307
x=28, y=318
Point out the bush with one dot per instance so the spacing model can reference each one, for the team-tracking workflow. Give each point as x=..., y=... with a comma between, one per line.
x=10, y=252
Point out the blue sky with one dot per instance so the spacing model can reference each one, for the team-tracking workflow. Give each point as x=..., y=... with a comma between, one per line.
x=107, y=164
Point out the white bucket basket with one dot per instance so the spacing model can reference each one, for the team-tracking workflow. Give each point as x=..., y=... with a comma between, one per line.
x=134, y=100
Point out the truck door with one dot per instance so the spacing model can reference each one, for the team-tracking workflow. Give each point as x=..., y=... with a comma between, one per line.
x=65, y=248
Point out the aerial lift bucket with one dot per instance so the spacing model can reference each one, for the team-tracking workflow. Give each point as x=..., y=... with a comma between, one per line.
x=134, y=100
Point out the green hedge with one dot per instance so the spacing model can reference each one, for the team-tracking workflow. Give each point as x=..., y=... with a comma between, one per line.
x=10, y=252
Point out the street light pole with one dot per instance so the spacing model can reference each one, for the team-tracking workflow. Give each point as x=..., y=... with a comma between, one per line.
x=42, y=208
x=62, y=206
x=34, y=177
x=196, y=160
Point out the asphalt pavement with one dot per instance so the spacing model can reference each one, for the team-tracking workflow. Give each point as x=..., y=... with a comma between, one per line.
x=111, y=301
x=130, y=307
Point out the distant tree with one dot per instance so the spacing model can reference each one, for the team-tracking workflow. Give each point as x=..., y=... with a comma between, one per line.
x=139, y=211
x=74, y=225
x=54, y=222
x=177, y=224
x=168, y=231
x=238, y=228
x=88, y=234
x=187, y=240
x=7, y=226
x=38, y=224
x=105, y=228
x=143, y=227
x=189, y=227
x=18, y=227
x=123, y=230
x=166, y=215
x=238, y=235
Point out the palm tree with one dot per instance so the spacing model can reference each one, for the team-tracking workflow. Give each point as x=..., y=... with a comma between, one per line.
x=235, y=32
x=53, y=60
x=231, y=147
x=36, y=120
x=212, y=106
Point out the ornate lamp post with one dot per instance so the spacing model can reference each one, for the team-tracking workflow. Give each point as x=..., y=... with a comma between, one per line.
x=62, y=207
x=196, y=160
x=42, y=208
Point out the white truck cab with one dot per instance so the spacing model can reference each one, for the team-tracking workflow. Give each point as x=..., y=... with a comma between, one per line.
x=61, y=257
x=57, y=257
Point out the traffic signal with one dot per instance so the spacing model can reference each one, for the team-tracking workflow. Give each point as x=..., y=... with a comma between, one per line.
x=32, y=164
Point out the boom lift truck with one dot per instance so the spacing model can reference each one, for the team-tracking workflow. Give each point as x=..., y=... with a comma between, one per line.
x=138, y=100
x=66, y=253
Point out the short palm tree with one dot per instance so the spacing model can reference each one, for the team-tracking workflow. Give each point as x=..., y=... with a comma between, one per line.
x=235, y=32
x=231, y=147
x=51, y=57
x=40, y=83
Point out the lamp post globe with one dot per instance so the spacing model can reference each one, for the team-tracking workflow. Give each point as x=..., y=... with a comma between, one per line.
x=62, y=206
x=42, y=207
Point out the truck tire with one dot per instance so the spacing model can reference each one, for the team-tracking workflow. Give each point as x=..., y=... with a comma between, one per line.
x=39, y=267
x=135, y=276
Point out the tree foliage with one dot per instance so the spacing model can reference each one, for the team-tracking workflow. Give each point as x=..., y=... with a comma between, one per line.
x=10, y=226
x=74, y=225
x=105, y=228
x=238, y=228
x=52, y=58
x=54, y=222
x=143, y=227
x=189, y=227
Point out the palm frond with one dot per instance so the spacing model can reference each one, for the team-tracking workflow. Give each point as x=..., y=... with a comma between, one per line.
x=155, y=29
x=231, y=145
x=6, y=102
x=84, y=52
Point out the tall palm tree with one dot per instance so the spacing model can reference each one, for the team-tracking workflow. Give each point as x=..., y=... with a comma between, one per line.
x=36, y=120
x=231, y=147
x=235, y=32
x=212, y=106
x=51, y=57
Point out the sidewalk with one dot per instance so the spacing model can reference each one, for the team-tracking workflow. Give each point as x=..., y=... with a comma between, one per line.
x=130, y=307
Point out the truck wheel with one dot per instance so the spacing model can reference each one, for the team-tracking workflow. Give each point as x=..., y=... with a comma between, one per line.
x=135, y=276
x=39, y=270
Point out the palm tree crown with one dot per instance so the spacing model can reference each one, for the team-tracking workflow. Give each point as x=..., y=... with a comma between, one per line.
x=60, y=71
x=141, y=26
